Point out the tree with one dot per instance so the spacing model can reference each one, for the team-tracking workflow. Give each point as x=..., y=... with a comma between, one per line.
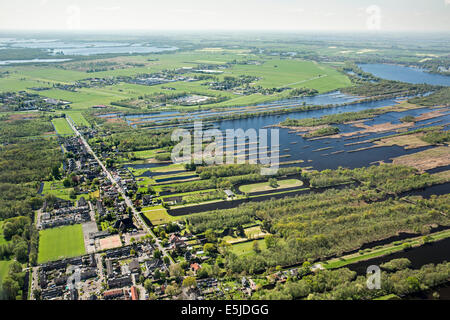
x=148, y=285
x=273, y=183
x=189, y=282
x=8, y=230
x=256, y=247
x=66, y=183
x=157, y=254
x=209, y=248
x=55, y=173
x=72, y=194
x=240, y=231
x=413, y=284
x=176, y=270
x=270, y=241
x=21, y=252
x=172, y=290
x=157, y=274
x=10, y=288
x=14, y=267
x=210, y=236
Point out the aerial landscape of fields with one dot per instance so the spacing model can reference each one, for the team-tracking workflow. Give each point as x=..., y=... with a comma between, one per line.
x=248, y=166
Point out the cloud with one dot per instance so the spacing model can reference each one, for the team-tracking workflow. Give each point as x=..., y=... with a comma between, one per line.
x=298, y=10
x=447, y=2
x=109, y=9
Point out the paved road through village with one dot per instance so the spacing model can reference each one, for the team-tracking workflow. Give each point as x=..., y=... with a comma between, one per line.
x=128, y=201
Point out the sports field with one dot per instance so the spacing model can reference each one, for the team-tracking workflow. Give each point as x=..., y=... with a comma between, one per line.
x=59, y=243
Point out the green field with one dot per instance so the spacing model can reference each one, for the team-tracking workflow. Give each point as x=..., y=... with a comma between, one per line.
x=246, y=248
x=282, y=184
x=2, y=238
x=62, y=127
x=158, y=215
x=78, y=118
x=57, y=189
x=271, y=73
x=385, y=250
x=4, y=268
x=59, y=243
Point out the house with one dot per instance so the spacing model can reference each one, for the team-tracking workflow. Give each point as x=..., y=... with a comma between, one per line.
x=73, y=294
x=134, y=266
x=100, y=209
x=120, y=282
x=112, y=294
x=134, y=293
x=195, y=267
x=147, y=200
x=176, y=242
x=52, y=293
x=187, y=255
x=109, y=268
x=229, y=194
x=253, y=285
x=88, y=274
x=45, y=216
x=82, y=202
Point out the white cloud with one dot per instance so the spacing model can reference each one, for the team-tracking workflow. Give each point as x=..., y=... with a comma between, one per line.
x=298, y=10
x=109, y=9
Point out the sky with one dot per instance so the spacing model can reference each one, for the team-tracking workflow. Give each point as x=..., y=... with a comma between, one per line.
x=306, y=15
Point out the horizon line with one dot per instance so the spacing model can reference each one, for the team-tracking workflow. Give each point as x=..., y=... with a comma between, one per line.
x=225, y=30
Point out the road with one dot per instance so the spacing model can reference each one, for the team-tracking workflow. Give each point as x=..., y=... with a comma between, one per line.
x=127, y=200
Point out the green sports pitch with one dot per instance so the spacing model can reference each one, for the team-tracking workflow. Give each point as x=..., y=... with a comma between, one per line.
x=59, y=243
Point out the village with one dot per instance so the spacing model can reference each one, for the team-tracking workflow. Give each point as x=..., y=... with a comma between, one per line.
x=25, y=101
x=122, y=261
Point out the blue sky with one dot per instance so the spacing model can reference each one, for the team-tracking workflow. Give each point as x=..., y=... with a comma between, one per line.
x=341, y=15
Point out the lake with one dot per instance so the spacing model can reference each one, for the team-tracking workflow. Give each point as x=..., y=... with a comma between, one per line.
x=405, y=74
x=8, y=62
x=83, y=48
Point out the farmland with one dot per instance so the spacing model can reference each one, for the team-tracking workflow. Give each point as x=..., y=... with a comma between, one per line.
x=272, y=73
x=360, y=169
x=282, y=184
x=62, y=127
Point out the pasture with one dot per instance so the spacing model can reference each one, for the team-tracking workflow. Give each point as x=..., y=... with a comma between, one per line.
x=271, y=73
x=158, y=215
x=62, y=127
x=265, y=186
x=246, y=248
